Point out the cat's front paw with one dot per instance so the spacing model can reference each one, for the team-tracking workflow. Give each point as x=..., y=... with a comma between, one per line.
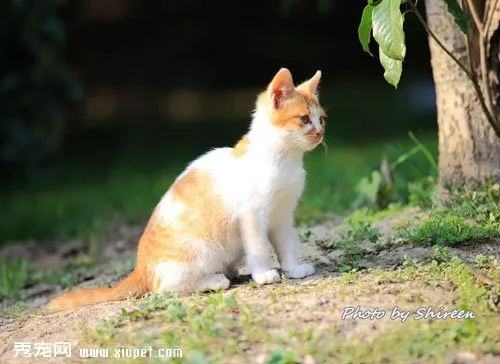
x=300, y=271
x=268, y=277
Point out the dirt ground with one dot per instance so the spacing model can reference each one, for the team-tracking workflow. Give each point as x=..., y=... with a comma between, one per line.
x=318, y=304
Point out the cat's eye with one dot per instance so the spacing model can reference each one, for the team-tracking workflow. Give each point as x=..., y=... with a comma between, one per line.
x=305, y=119
x=322, y=121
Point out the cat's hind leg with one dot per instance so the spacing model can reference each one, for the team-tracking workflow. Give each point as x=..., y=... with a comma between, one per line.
x=174, y=277
x=212, y=282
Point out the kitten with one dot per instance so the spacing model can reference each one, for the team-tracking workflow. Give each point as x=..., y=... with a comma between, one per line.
x=228, y=204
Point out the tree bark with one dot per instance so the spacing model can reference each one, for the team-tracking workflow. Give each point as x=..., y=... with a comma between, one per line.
x=469, y=150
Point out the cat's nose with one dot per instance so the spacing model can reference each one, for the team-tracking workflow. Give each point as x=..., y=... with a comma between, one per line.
x=319, y=133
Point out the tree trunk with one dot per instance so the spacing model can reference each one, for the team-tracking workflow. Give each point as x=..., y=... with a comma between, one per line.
x=469, y=150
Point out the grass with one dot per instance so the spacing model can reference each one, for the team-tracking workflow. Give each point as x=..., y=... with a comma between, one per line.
x=448, y=229
x=200, y=323
x=467, y=216
x=222, y=327
x=17, y=310
x=14, y=275
x=352, y=241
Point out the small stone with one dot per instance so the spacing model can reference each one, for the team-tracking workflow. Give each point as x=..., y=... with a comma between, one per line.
x=120, y=245
x=464, y=357
x=70, y=249
x=308, y=359
x=323, y=301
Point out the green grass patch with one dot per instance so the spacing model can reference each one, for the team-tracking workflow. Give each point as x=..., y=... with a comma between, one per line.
x=353, y=243
x=69, y=275
x=367, y=215
x=195, y=324
x=466, y=217
x=14, y=276
x=448, y=229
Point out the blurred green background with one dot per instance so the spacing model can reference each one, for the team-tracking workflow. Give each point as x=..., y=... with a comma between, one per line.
x=102, y=104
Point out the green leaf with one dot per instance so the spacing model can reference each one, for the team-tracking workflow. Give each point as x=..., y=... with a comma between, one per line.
x=393, y=68
x=365, y=29
x=458, y=14
x=388, y=29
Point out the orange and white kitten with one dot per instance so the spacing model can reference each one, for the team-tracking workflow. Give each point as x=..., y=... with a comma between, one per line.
x=228, y=204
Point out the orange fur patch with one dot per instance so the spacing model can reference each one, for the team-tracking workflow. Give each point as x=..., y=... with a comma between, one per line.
x=205, y=216
x=241, y=147
x=160, y=243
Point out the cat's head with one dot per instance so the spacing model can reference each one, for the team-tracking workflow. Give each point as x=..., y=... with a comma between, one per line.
x=295, y=111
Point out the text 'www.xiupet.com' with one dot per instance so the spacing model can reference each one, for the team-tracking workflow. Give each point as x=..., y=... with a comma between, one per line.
x=64, y=349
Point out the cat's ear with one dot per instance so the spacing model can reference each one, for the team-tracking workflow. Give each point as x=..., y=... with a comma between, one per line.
x=281, y=88
x=311, y=85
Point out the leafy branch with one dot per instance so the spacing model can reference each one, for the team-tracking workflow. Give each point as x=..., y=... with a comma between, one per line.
x=385, y=20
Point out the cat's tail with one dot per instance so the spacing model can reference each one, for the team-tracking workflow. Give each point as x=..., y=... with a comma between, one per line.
x=134, y=285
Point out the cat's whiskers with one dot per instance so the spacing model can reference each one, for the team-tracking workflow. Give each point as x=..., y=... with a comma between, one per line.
x=324, y=145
